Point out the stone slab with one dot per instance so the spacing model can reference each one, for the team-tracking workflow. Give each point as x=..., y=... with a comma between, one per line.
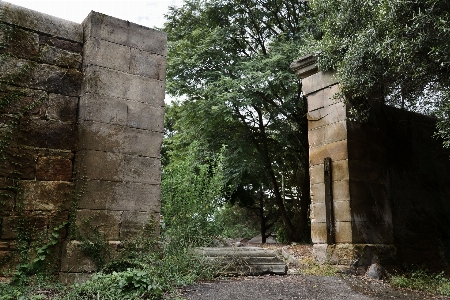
x=59, y=57
x=114, y=138
x=97, y=25
x=318, y=81
x=30, y=19
x=120, y=196
x=54, y=168
x=18, y=42
x=324, y=116
x=103, y=222
x=343, y=232
x=133, y=223
x=107, y=54
x=50, y=78
x=123, y=85
x=61, y=108
x=319, y=232
x=46, y=195
x=337, y=151
x=146, y=64
x=323, y=98
x=118, y=167
x=112, y=110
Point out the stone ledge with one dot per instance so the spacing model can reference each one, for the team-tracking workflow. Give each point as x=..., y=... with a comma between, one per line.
x=36, y=21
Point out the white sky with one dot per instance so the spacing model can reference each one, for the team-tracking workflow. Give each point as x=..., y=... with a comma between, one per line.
x=148, y=13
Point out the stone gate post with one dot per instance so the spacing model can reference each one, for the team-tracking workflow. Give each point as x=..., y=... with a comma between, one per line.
x=362, y=227
x=120, y=129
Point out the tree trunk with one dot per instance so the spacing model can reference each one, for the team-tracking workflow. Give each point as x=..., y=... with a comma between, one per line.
x=263, y=219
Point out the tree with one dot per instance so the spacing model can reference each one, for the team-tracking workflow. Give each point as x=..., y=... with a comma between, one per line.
x=388, y=51
x=230, y=60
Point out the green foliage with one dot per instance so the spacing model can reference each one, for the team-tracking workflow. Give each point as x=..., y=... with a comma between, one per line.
x=229, y=62
x=237, y=222
x=191, y=195
x=40, y=264
x=423, y=281
x=388, y=51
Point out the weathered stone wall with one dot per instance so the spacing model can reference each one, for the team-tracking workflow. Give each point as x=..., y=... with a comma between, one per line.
x=120, y=134
x=97, y=126
x=390, y=180
x=40, y=68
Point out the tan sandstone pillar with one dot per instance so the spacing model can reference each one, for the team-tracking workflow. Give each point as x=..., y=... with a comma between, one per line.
x=362, y=227
x=120, y=133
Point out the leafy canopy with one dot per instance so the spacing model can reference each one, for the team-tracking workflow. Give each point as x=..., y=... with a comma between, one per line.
x=384, y=50
x=229, y=60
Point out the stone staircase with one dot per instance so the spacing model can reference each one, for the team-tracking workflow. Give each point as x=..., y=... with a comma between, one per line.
x=245, y=260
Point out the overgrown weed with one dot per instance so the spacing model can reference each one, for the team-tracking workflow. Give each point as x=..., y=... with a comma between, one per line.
x=423, y=281
x=309, y=266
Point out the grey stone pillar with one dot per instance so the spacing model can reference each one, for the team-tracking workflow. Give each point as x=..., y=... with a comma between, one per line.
x=362, y=214
x=120, y=134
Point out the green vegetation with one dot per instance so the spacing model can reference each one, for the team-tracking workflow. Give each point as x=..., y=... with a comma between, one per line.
x=228, y=61
x=423, y=281
x=388, y=51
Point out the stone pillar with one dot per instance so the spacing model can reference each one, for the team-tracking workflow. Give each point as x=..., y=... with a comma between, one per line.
x=120, y=134
x=362, y=215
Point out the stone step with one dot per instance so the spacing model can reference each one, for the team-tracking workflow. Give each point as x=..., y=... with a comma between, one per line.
x=245, y=260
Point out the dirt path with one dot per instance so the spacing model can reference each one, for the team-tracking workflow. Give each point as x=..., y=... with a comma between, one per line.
x=298, y=287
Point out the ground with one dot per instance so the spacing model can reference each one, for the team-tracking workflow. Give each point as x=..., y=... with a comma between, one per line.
x=297, y=285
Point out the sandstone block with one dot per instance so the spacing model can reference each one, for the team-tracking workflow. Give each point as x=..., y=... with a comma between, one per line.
x=316, y=174
x=105, y=109
x=74, y=260
x=316, y=137
x=343, y=232
x=113, y=138
x=46, y=77
x=339, y=170
x=317, y=193
x=19, y=163
x=341, y=210
x=340, y=190
x=319, y=232
x=62, y=108
x=20, y=43
x=30, y=19
x=323, y=98
x=335, y=132
x=26, y=98
x=54, y=169
x=122, y=32
x=46, y=195
x=103, y=222
x=146, y=64
x=59, y=57
x=336, y=112
x=144, y=116
x=47, y=134
x=120, y=196
x=318, y=212
x=133, y=222
x=337, y=151
x=106, y=54
x=71, y=46
x=118, y=84
x=118, y=167
x=36, y=222
x=317, y=82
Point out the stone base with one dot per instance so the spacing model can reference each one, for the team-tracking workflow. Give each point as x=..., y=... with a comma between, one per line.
x=355, y=255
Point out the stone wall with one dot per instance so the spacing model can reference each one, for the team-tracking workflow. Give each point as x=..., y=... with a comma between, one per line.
x=88, y=102
x=40, y=71
x=389, y=184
